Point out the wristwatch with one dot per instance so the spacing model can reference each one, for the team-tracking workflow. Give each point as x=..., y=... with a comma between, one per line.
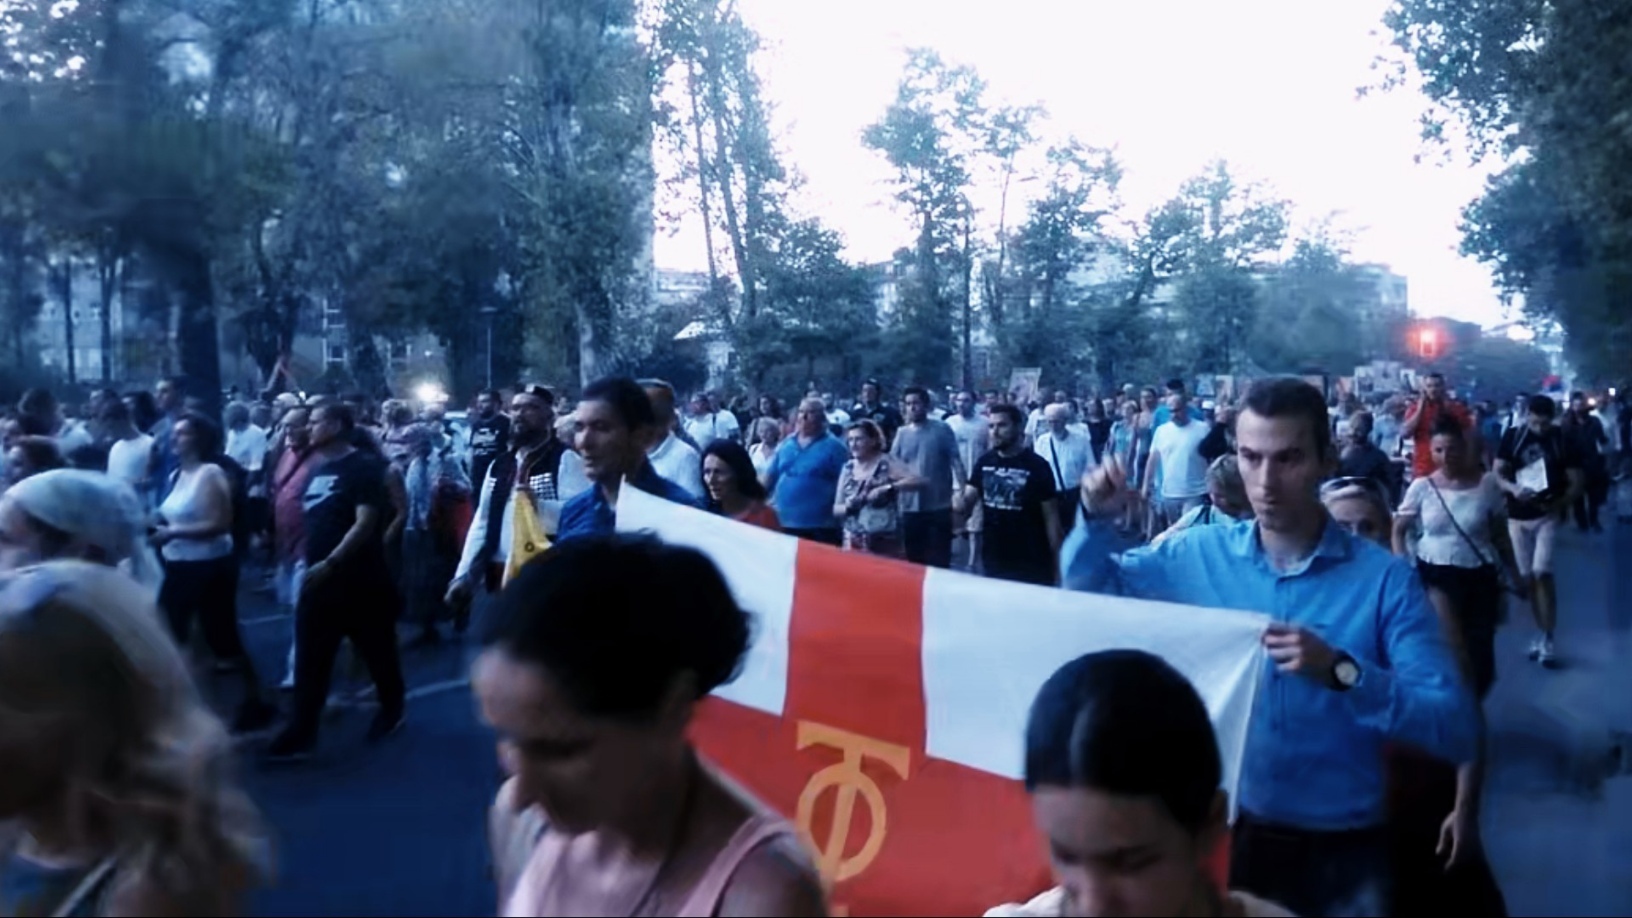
x=1345, y=672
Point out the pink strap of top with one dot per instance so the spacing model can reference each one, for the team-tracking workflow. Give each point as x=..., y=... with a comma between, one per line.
x=704, y=901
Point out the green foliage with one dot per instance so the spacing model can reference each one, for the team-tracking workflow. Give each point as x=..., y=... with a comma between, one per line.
x=928, y=135
x=1544, y=85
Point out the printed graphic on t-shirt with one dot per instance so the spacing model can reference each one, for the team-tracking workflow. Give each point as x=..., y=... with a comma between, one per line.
x=319, y=489
x=1004, y=488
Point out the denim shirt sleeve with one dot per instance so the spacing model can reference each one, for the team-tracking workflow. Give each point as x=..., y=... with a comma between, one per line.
x=1418, y=699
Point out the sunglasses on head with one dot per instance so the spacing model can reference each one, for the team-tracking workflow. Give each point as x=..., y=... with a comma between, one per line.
x=1335, y=485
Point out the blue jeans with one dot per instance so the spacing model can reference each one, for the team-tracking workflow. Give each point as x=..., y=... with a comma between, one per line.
x=1311, y=873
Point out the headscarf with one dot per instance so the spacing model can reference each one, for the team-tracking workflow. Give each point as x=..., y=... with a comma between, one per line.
x=97, y=510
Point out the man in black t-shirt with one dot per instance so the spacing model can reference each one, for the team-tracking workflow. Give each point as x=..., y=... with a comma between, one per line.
x=347, y=592
x=1020, y=535
x=1541, y=473
x=873, y=407
x=489, y=435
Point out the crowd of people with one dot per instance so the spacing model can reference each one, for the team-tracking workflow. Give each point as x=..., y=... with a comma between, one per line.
x=1381, y=544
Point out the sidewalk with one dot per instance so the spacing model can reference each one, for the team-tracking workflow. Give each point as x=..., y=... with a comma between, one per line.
x=1558, y=816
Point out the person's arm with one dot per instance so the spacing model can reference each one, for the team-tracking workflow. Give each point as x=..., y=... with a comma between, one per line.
x=1089, y=554
x=1406, y=517
x=1413, y=416
x=1151, y=463
x=477, y=534
x=903, y=478
x=841, y=507
x=215, y=517
x=1419, y=699
x=362, y=526
x=1056, y=537
x=397, y=489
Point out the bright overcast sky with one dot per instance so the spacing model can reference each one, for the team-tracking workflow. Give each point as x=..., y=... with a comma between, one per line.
x=1268, y=85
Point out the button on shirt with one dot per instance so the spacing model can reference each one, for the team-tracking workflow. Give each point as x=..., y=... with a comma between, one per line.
x=1314, y=755
x=803, y=479
x=590, y=514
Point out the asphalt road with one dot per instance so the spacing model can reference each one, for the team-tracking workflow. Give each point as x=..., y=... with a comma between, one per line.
x=398, y=829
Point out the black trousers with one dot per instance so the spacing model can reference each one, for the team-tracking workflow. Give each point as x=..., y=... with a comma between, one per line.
x=928, y=537
x=345, y=607
x=208, y=592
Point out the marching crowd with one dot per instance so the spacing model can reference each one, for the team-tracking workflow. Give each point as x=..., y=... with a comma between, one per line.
x=1383, y=544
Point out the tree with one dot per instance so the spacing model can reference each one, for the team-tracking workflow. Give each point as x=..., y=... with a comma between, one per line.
x=1050, y=325
x=1233, y=227
x=1543, y=86
x=928, y=135
x=1310, y=311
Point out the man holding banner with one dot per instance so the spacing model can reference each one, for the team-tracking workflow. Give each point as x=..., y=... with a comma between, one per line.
x=1348, y=618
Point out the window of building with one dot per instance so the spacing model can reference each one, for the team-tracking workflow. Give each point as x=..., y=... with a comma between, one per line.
x=335, y=354
x=334, y=319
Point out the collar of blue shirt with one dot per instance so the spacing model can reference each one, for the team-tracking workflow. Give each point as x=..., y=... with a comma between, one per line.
x=1334, y=545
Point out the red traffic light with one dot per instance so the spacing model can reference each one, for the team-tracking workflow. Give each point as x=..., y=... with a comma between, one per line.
x=1428, y=344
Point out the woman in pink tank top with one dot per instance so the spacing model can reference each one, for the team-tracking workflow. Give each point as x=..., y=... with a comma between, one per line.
x=598, y=653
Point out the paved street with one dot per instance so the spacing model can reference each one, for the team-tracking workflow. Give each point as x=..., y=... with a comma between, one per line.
x=398, y=829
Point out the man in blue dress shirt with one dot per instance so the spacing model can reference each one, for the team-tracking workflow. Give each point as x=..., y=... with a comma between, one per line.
x=612, y=427
x=1355, y=656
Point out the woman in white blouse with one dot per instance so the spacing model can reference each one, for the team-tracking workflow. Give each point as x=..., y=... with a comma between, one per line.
x=1461, y=520
x=1434, y=826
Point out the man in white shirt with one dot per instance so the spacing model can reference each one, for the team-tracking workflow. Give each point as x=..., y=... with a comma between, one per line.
x=246, y=443
x=671, y=457
x=974, y=440
x=705, y=425
x=1175, y=449
x=128, y=448
x=1068, y=453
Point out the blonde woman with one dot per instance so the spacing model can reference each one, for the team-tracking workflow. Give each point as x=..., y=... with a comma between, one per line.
x=118, y=797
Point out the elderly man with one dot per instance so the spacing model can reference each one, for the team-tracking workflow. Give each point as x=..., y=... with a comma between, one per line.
x=1069, y=454
x=804, y=475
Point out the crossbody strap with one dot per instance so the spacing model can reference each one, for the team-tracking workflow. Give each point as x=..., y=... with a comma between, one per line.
x=1459, y=530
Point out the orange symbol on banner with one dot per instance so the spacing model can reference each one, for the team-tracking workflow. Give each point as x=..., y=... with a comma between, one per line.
x=847, y=780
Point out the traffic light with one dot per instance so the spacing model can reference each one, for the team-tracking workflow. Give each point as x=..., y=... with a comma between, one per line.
x=1428, y=344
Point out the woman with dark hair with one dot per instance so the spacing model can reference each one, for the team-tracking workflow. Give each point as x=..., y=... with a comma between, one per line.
x=1460, y=516
x=734, y=489
x=1124, y=774
x=597, y=656
x=194, y=537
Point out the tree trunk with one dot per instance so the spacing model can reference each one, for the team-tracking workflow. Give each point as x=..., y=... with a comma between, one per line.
x=590, y=357
x=109, y=266
x=67, y=280
x=197, y=339
x=702, y=174
x=725, y=175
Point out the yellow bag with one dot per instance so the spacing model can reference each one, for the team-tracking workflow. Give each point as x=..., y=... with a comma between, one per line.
x=527, y=538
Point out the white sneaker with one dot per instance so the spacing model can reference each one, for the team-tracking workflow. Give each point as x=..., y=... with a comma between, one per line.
x=1536, y=645
x=1546, y=655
